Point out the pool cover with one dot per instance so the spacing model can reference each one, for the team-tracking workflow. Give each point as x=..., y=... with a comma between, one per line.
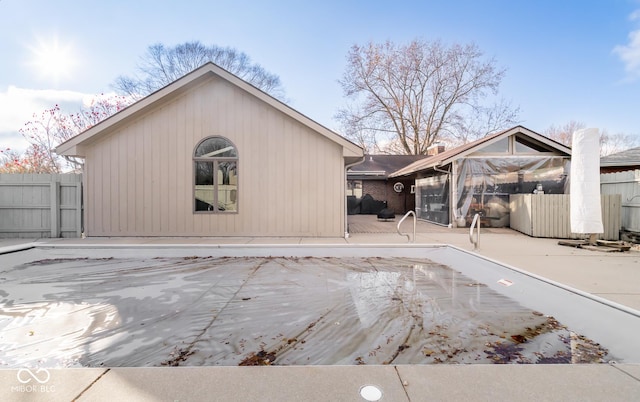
x=122, y=311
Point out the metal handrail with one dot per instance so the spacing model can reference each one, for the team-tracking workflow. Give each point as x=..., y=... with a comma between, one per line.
x=476, y=223
x=414, y=226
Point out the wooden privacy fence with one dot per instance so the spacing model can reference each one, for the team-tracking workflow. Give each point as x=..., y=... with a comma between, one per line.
x=40, y=205
x=627, y=184
x=548, y=215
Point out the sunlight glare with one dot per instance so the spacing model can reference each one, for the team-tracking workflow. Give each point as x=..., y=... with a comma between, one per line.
x=53, y=60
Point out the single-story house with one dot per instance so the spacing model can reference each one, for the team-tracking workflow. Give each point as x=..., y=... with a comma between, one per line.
x=369, y=188
x=212, y=155
x=621, y=161
x=478, y=177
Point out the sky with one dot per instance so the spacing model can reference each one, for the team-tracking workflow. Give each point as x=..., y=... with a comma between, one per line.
x=564, y=59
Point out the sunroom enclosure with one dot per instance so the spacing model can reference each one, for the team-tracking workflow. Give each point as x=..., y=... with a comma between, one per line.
x=482, y=181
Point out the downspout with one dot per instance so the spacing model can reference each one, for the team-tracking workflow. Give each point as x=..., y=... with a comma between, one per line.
x=455, y=176
x=80, y=165
x=448, y=172
x=346, y=212
x=441, y=171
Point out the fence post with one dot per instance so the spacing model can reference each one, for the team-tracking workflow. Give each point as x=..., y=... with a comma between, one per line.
x=55, y=208
x=79, y=209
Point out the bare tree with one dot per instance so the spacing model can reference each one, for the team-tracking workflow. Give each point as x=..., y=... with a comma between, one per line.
x=563, y=134
x=405, y=98
x=482, y=121
x=613, y=143
x=50, y=128
x=161, y=65
x=12, y=161
x=359, y=130
x=609, y=143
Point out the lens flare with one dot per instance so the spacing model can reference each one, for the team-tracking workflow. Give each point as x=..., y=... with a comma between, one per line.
x=53, y=60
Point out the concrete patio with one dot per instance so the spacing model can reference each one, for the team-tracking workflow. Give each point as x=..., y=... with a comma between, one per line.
x=612, y=276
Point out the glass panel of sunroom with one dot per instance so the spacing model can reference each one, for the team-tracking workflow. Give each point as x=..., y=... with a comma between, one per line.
x=498, y=147
x=524, y=146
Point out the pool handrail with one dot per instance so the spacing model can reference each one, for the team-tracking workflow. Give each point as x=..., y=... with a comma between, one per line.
x=476, y=223
x=414, y=226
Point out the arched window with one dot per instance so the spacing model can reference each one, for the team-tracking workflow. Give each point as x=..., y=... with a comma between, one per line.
x=215, y=161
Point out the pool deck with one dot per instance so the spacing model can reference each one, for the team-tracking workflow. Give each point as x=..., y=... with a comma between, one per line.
x=612, y=276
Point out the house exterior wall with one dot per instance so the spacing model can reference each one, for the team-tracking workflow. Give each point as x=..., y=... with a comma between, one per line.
x=140, y=178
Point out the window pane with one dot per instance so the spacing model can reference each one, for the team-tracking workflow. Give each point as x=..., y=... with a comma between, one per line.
x=227, y=186
x=354, y=188
x=216, y=148
x=524, y=146
x=433, y=198
x=216, y=177
x=205, y=196
x=501, y=146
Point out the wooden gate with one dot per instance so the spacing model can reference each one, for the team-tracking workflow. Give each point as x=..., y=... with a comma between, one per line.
x=40, y=205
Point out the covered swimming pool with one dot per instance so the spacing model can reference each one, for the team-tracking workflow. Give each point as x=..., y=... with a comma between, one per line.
x=295, y=305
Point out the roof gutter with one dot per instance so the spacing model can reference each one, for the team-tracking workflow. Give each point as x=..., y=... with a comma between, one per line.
x=442, y=171
x=367, y=173
x=619, y=163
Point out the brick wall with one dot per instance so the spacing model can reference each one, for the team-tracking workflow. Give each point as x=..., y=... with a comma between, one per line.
x=383, y=191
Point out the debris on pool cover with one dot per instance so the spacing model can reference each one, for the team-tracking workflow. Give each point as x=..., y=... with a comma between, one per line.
x=199, y=311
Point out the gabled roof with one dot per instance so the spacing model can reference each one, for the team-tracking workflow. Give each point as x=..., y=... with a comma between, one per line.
x=74, y=146
x=380, y=166
x=629, y=157
x=453, y=154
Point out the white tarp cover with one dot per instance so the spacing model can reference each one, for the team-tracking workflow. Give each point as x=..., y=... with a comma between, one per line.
x=586, y=212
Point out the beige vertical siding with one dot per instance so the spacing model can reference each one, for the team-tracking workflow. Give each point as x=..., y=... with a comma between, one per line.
x=140, y=177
